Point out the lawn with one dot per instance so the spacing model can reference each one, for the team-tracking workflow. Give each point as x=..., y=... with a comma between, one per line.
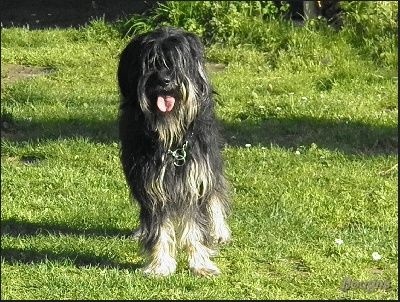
x=311, y=158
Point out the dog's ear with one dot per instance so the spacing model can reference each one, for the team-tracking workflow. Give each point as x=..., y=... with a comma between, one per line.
x=196, y=46
x=197, y=52
x=129, y=67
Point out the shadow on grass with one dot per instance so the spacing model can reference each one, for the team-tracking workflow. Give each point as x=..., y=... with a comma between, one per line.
x=28, y=256
x=104, y=131
x=16, y=228
x=346, y=136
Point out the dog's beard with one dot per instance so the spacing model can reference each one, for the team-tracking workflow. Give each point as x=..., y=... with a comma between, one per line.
x=169, y=111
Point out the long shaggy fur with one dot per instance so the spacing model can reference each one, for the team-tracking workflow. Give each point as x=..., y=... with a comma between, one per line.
x=170, y=149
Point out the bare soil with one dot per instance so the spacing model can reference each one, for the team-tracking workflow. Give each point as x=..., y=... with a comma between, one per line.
x=10, y=73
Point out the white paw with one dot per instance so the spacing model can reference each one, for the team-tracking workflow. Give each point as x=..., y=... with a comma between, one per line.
x=160, y=268
x=206, y=269
x=222, y=234
x=200, y=263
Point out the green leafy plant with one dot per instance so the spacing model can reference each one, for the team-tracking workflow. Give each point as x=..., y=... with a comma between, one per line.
x=215, y=21
x=372, y=27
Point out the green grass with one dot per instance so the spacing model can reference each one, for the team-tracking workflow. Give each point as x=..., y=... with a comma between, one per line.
x=321, y=118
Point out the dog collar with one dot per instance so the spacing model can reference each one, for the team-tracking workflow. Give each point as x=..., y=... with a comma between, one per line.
x=179, y=155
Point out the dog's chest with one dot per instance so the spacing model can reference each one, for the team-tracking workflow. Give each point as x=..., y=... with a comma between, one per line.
x=176, y=183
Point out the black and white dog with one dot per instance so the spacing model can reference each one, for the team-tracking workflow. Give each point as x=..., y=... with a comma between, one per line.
x=171, y=150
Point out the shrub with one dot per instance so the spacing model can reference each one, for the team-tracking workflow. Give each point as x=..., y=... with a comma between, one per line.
x=214, y=21
x=372, y=28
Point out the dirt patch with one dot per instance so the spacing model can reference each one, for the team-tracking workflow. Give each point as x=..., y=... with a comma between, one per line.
x=10, y=73
x=215, y=67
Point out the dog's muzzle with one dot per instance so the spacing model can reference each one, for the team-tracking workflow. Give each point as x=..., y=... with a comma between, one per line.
x=162, y=90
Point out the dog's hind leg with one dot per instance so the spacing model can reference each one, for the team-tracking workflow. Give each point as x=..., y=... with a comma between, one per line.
x=161, y=253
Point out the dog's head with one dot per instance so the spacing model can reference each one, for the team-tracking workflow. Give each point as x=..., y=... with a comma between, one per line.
x=164, y=72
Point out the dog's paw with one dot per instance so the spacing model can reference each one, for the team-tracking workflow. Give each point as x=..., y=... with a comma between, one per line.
x=160, y=269
x=222, y=235
x=201, y=265
x=208, y=270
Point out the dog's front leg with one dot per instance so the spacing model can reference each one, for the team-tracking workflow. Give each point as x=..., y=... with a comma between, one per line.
x=193, y=239
x=161, y=250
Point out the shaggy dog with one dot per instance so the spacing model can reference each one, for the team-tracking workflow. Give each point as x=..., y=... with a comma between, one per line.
x=170, y=150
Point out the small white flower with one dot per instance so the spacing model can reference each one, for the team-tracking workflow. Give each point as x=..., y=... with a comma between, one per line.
x=263, y=148
x=304, y=98
x=297, y=152
x=376, y=256
x=247, y=145
x=339, y=241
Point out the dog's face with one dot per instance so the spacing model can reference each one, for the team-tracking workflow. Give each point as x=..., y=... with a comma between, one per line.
x=172, y=70
x=165, y=73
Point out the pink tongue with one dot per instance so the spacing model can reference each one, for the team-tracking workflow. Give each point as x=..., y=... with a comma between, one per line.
x=165, y=103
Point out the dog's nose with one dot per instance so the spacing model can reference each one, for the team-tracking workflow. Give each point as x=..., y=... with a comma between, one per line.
x=165, y=80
